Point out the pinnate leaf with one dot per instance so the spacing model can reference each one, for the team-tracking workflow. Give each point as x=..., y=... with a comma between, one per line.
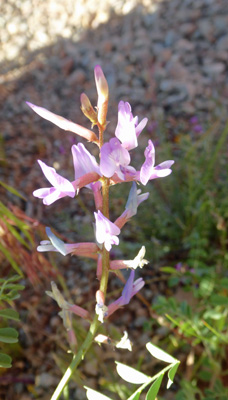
x=131, y=375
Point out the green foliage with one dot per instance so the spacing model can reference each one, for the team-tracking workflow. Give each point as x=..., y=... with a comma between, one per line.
x=190, y=239
x=9, y=290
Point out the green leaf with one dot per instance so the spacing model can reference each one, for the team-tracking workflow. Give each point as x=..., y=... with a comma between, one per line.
x=8, y=335
x=94, y=395
x=171, y=374
x=5, y=361
x=12, y=190
x=131, y=375
x=160, y=354
x=153, y=391
x=10, y=314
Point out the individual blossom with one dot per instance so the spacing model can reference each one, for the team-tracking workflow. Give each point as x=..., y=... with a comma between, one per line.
x=61, y=187
x=84, y=163
x=64, y=123
x=115, y=159
x=106, y=231
x=128, y=129
x=148, y=171
x=55, y=244
x=134, y=199
x=130, y=289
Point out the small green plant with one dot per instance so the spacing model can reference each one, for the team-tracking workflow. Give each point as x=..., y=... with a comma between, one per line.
x=9, y=291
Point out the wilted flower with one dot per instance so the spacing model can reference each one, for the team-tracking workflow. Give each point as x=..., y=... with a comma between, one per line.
x=55, y=244
x=134, y=199
x=106, y=231
x=139, y=261
x=130, y=289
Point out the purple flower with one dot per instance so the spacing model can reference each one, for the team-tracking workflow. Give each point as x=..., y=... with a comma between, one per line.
x=148, y=171
x=61, y=186
x=130, y=289
x=84, y=162
x=128, y=129
x=106, y=231
x=114, y=159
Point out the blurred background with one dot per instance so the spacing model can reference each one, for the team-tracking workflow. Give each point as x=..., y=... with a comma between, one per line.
x=169, y=60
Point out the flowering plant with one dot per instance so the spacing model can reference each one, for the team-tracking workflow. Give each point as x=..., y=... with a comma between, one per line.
x=114, y=168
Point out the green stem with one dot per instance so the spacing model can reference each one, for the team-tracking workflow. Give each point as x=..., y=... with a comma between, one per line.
x=105, y=253
x=77, y=358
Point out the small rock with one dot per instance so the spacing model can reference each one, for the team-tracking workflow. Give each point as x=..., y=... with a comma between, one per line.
x=213, y=70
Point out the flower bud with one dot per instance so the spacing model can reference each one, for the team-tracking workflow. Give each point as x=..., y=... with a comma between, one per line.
x=102, y=91
x=88, y=109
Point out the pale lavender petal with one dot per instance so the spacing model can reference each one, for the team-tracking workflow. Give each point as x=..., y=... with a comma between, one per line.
x=164, y=164
x=83, y=161
x=113, y=157
x=57, y=180
x=148, y=166
x=52, y=197
x=125, y=130
x=160, y=173
x=106, y=231
x=43, y=192
x=140, y=126
x=137, y=286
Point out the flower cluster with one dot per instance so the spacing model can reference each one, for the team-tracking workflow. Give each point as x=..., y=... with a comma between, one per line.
x=114, y=167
